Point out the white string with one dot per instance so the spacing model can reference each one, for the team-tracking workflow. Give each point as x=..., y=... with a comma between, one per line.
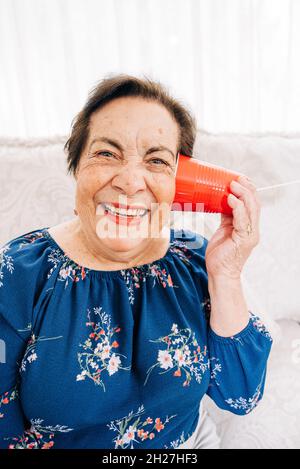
x=278, y=185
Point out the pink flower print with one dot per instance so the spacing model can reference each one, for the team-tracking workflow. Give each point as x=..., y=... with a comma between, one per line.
x=142, y=434
x=7, y=397
x=159, y=425
x=48, y=445
x=170, y=282
x=132, y=429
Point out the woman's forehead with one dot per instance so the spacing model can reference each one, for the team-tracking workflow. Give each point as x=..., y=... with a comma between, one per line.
x=136, y=115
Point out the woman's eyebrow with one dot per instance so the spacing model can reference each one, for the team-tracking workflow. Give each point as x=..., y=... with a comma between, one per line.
x=118, y=145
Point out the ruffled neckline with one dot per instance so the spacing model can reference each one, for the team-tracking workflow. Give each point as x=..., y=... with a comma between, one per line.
x=112, y=273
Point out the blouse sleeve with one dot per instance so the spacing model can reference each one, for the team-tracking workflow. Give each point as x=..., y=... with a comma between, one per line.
x=238, y=367
x=238, y=364
x=17, y=291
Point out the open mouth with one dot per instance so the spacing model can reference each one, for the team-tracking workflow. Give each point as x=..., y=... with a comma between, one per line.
x=122, y=215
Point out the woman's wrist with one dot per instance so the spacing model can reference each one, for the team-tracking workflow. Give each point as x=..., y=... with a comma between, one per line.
x=229, y=312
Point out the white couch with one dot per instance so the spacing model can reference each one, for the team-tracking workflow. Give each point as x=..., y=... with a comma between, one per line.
x=35, y=191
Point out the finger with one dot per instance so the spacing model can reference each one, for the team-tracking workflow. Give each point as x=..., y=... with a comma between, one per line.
x=240, y=215
x=249, y=184
x=250, y=202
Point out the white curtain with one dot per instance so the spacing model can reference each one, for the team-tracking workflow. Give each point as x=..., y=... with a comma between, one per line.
x=235, y=63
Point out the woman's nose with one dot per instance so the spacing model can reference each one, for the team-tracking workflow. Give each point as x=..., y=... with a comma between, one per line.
x=130, y=180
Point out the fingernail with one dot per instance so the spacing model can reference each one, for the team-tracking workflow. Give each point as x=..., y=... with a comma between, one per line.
x=245, y=178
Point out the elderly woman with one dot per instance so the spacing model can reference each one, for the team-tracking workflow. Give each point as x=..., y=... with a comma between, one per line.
x=115, y=325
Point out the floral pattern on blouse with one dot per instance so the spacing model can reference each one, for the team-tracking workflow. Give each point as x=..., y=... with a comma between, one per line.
x=182, y=354
x=31, y=237
x=176, y=443
x=181, y=250
x=135, y=429
x=69, y=270
x=245, y=404
x=6, y=262
x=30, y=354
x=136, y=275
x=259, y=325
x=100, y=350
x=38, y=436
x=6, y=398
x=215, y=368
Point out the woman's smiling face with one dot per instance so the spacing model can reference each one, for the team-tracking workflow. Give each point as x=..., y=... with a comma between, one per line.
x=129, y=161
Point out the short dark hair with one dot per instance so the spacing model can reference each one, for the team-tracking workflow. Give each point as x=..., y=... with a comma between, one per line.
x=117, y=86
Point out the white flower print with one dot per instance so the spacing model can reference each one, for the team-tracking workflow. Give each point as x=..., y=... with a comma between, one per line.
x=182, y=353
x=113, y=364
x=81, y=376
x=180, y=357
x=6, y=262
x=176, y=443
x=32, y=358
x=30, y=354
x=69, y=270
x=38, y=436
x=259, y=325
x=165, y=359
x=135, y=276
x=244, y=404
x=99, y=350
x=215, y=368
x=129, y=435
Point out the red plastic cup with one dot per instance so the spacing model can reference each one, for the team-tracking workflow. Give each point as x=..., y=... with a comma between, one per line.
x=199, y=182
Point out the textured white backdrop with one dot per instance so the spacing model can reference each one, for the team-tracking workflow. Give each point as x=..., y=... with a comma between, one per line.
x=234, y=62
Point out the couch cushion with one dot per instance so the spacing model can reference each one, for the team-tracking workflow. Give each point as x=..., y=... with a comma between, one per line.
x=275, y=422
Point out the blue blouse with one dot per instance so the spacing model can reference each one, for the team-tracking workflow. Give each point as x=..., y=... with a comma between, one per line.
x=115, y=359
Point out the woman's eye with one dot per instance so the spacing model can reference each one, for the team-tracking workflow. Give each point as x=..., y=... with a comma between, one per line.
x=159, y=160
x=105, y=153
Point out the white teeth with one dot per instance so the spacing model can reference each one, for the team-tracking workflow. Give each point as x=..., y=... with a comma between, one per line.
x=124, y=212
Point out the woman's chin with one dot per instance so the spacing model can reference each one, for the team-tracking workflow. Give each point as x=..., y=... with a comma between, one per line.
x=121, y=238
x=122, y=244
